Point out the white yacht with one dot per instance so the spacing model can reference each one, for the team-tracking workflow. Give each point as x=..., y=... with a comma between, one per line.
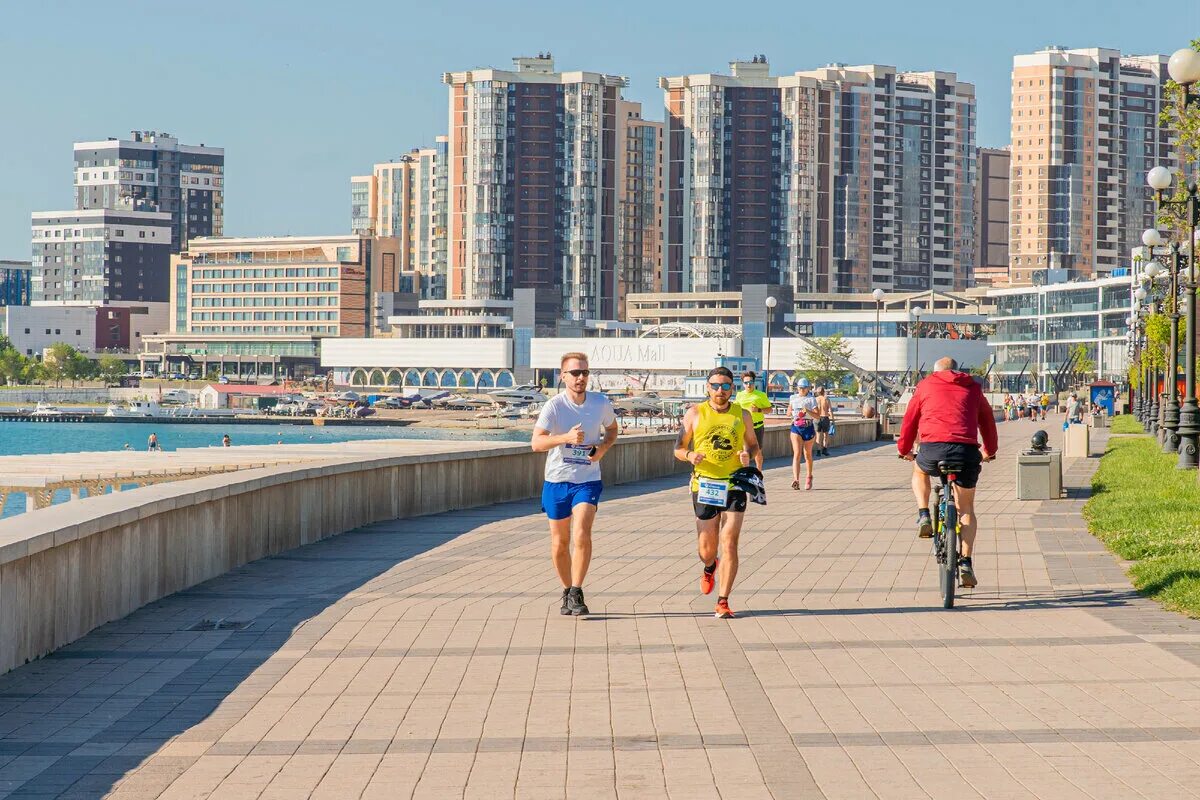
x=46, y=410
x=138, y=408
x=517, y=395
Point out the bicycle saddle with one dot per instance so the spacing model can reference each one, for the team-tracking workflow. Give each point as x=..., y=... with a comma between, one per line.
x=946, y=467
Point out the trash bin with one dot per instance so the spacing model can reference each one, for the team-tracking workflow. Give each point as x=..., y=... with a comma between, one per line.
x=1099, y=420
x=1039, y=475
x=1077, y=441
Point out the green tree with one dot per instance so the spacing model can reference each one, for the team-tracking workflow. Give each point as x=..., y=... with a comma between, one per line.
x=819, y=364
x=111, y=369
x=56, y=361
x=1084, y=367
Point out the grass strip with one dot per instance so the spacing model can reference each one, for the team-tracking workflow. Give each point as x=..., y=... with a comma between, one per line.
x=1126, y=423
x=1148, y=512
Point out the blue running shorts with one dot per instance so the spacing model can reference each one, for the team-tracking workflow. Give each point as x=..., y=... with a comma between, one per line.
x=559, y=498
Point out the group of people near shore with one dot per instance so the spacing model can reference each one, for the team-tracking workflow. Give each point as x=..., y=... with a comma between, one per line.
x=720, y=438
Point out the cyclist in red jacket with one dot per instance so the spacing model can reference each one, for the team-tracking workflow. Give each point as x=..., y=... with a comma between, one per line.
x=949, y=412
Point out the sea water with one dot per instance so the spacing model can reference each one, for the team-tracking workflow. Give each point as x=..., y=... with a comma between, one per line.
x=23, y=438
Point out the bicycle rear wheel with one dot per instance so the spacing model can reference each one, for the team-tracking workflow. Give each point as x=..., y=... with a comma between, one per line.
x=948, y=577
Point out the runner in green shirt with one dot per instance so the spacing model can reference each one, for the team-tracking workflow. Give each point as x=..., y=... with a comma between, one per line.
x=756, y=402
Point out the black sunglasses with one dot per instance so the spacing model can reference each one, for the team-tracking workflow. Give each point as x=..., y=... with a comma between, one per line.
x=579, y=373
x=721, y=387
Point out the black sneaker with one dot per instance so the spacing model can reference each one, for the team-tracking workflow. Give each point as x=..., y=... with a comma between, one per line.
x=966, y=575
x=565, y=610
x=924, y=525
x=575, y=605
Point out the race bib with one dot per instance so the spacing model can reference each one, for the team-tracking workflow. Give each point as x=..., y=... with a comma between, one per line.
x=712, y=492
x=577, y=453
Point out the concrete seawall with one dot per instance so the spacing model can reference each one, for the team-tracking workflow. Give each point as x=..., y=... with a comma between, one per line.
x=70, y=568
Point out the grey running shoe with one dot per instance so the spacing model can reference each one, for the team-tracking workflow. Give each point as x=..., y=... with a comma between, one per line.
x=924, y=525
x=565, y=610
x=575, y=605
x=966, y=575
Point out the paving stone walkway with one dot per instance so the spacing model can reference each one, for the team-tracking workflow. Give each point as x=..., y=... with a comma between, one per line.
x=427, y=658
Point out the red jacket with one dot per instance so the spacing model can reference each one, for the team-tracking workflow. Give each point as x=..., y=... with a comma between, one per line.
x=948, y=406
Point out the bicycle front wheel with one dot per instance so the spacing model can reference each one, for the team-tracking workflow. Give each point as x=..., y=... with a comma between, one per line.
x=949, y=566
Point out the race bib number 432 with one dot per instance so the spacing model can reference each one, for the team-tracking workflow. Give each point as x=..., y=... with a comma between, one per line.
x=712, y=492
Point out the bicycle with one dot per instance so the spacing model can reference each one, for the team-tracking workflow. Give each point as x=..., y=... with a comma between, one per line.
x=945, y=530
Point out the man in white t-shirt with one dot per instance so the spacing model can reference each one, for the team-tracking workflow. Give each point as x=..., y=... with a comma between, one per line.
x=574, y=429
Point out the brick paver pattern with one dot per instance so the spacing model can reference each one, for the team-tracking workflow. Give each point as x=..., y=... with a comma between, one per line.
x=427, y=657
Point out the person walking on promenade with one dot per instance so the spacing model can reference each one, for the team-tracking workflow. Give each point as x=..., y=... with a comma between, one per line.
x=803, y=408
x=226, y=441
x=152, y=444
x=824, y=421
x=722, y=434
x=1008, y=407
x=1044, y=404
x=756, y=402
x=949, y=413
x=574, y=429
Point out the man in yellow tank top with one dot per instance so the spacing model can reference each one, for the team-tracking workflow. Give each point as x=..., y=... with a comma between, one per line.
x=717, y=438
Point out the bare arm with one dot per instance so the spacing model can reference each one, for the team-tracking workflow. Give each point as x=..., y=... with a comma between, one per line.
x=750, y=447
x=610, y=438
x=684, y=440
x=543, y=440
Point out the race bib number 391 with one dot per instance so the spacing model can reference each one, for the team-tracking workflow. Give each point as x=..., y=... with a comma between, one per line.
x=577, y=453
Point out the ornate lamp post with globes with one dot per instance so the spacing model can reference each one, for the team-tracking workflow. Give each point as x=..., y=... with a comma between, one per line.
x=770, y=302
x=1184, y=68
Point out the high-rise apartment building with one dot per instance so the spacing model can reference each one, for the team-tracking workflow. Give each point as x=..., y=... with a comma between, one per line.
x=152, y=171
x=532, y=190
x=101, y=256
x=831, y=180
x=991, y=218
x=1085, y=130
x=639, y=203
x=406, y=198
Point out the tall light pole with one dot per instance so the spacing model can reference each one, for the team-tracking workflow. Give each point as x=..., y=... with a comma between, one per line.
x=878, y=295
x=1169, y=430
x=771, y=302
x=917, y=312
x=1184, y=69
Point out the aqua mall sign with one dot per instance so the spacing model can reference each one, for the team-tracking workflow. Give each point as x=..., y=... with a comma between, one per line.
x=634, y=354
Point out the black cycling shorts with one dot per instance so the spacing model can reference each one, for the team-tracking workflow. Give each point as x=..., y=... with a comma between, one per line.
x=735, y=502
x=968, y=454
x=823, y=425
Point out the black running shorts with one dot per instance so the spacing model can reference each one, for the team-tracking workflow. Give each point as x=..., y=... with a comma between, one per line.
x=932, y=452
x=736, y=502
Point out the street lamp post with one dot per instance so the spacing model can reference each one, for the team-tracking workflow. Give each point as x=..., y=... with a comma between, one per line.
x=917, y=312
x=1169, y=428
x=878, y=295
x=770, y=302
x=1184, y=69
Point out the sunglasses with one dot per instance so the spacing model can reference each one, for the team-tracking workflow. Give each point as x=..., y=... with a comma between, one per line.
x=720, y=387
x=579, y=373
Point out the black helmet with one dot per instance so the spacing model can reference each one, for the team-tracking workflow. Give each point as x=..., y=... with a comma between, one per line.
x=1040, y=441
x=750, y=481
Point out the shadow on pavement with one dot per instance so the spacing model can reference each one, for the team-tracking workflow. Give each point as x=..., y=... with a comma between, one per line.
x=74, y=723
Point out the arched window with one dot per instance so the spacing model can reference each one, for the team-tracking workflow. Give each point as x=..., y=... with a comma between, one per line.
x=429, y=378
x=358, y=377
x=376, y=377
x=467, y=379
x=486, y=381
x=504, y=379
x=449, y=380
x=412, y=378
x=394, y=378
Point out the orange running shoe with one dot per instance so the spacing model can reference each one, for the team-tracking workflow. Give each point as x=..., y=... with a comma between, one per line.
x=709, y=579
x=723, y=611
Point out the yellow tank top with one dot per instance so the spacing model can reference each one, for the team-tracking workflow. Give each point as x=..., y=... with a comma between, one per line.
x=720, y=436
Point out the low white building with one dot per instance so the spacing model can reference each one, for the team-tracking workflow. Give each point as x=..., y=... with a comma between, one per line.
x=1038, y=327
x=91, y=328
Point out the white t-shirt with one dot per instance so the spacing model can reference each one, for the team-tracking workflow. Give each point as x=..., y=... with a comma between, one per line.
x=798, y=404
x=569, y=463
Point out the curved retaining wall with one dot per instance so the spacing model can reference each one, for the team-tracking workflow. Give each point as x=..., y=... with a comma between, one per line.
x=70, y=568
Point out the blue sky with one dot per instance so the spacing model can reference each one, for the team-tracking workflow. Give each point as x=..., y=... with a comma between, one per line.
x=302, y=95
